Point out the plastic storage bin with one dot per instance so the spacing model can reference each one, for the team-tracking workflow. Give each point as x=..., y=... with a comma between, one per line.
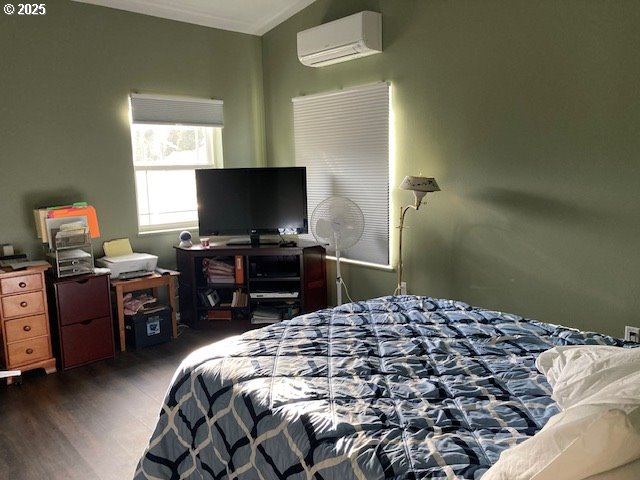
x=148, y=327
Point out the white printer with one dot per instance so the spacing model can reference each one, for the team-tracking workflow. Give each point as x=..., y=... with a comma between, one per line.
x=123, y=262
x=129, y=266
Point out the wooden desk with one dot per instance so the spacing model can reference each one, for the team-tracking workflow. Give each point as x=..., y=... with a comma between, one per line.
x=153, y=282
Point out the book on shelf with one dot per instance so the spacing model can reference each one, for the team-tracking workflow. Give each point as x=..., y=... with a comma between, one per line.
x=221, y=279
x=240, y=299
x=209, y=297
x=213, y=297
x=219, y=315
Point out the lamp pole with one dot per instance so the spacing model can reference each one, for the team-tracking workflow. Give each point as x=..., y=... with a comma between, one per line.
x=420, y=186
x=403, y=212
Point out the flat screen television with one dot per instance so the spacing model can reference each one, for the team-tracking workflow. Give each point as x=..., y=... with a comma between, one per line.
x=252, y=201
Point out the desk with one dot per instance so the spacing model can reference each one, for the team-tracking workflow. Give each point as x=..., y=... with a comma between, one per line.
x=153, y=282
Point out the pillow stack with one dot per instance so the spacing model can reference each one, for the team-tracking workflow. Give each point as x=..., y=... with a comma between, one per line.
x=597, y=434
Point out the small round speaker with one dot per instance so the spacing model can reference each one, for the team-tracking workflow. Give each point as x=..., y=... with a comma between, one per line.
x=185, y=239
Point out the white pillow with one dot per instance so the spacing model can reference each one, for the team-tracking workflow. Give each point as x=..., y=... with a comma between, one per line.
x=579, y=442
x=598, y=431
x=630, y=471
x=580, y=373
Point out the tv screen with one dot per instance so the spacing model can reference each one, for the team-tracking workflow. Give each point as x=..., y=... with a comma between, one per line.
x=252, y=201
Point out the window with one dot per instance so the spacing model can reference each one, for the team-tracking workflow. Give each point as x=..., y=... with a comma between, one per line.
x=171, y=137
x=343, y=140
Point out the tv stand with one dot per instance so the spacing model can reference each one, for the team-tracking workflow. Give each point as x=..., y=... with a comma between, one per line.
x=277, y=279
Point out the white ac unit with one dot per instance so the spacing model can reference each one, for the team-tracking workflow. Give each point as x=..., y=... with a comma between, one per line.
x=344, y=39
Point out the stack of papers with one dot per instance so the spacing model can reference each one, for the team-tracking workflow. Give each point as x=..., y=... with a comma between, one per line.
x=217, y=271
x=265, y=315
x=24, y=264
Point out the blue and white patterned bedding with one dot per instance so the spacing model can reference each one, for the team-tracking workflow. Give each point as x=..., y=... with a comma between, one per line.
x=390, y=388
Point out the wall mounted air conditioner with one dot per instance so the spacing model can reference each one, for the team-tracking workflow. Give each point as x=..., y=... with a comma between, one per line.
x=344, y=39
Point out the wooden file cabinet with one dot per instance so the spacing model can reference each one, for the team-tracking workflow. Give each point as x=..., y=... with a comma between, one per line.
x=25, y=320
x=82, y=325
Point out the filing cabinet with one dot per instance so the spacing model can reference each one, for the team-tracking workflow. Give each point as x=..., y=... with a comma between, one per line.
x=24, y=316
x=82, y=324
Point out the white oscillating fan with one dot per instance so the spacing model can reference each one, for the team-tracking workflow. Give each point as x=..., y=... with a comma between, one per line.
x=339, y=222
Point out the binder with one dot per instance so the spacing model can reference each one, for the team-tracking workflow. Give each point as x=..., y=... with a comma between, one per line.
x=239, y=269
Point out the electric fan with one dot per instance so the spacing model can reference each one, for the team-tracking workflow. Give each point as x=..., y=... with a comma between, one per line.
x=339, y=222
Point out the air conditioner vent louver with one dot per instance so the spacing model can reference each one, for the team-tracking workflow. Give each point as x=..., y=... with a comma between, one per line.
x=351, y=37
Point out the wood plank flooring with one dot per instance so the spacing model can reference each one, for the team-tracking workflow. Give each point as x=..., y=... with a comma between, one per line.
x=92, y=422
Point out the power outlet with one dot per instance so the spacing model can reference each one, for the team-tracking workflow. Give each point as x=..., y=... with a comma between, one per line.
x=403, y=288
x=632, y=334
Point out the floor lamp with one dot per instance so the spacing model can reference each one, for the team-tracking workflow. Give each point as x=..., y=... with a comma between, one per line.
x=420, y=186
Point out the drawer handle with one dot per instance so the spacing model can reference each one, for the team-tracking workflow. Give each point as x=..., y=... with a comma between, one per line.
x=27, y=328
x=23, y=304
x=29, y=351
x=22, y=284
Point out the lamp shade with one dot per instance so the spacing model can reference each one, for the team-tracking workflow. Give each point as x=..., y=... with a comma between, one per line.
x=420, y=184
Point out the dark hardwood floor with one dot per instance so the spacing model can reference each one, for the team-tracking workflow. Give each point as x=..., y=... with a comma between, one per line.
x=92, y=422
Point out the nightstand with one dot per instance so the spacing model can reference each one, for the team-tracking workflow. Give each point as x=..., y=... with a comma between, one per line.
x=25, y=321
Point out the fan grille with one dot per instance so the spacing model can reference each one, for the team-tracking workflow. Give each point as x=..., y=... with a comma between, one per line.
x=337, y=221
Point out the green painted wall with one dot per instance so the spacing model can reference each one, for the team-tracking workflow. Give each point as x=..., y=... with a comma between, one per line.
x=64, y=85
x=528, y=115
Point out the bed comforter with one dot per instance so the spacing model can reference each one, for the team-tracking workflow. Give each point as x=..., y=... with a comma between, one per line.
x=395, y=387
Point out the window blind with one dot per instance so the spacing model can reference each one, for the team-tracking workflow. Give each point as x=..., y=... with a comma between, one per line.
x=343, y=139
x=169, y=110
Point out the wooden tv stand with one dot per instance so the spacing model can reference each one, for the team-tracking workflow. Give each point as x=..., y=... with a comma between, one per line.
x=286, y=281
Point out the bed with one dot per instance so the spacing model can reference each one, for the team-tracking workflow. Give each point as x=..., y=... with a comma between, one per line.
x=396, y=387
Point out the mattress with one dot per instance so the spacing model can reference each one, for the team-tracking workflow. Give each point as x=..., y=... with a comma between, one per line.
x=396, y=387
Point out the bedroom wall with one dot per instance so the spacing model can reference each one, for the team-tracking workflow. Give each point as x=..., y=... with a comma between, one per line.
x=64, y=88
x=528, y=114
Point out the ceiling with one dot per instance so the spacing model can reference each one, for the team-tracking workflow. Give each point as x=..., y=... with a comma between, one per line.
x=255, y=17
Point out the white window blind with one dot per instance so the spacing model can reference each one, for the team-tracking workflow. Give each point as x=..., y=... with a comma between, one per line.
x=168, y=110
x=343, y=139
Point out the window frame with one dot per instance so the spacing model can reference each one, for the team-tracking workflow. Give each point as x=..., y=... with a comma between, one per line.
x=167, y=111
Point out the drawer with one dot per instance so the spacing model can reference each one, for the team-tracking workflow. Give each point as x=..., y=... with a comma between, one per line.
x=28, y=351
x=24, y=304
x=87, y=342
x=26, y=327
x=83, y=299
x=22, y=283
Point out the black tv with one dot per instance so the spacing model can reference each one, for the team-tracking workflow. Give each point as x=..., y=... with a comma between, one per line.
x=252, y=201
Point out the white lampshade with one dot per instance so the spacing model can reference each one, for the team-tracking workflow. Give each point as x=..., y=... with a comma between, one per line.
x=420, y=186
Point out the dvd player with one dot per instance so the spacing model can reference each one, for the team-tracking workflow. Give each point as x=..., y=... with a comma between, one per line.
x=274, y=294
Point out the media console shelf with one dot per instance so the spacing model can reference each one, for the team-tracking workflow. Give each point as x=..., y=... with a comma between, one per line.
x=244, y=285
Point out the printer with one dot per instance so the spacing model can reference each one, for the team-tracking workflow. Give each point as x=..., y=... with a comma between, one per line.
x=129, y=266
x=123, y=263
